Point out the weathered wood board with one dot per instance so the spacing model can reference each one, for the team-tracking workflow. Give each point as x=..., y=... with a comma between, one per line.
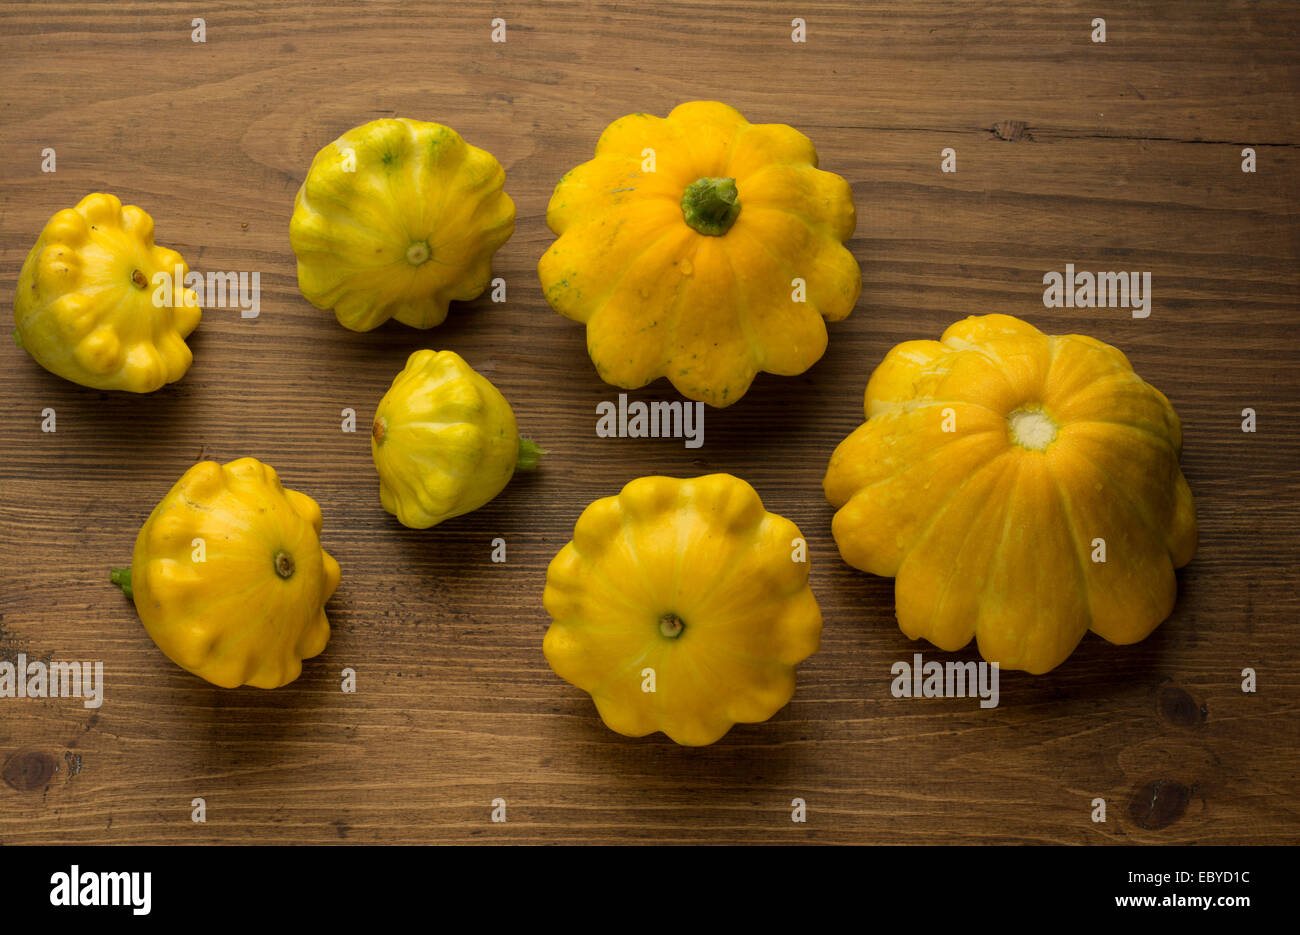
x=1129, y=157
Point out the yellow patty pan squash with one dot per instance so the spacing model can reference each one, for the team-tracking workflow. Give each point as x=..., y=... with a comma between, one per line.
x=88, y=307
x=681, y=606
x=702, y=248
x=229, y=576
x=395, y=219
x=444, y=441
x=1022, y=488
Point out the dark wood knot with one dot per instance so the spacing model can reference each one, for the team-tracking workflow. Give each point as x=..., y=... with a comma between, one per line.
x=1159, y=804
x=1178, y=707
x=29, y=771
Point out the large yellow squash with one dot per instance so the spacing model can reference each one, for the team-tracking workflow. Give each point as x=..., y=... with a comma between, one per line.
x=229, y=576
x=100, y=304
x=1021, y=487
x=444, y=441
x=702, y=248
x=682, y=606
x=396, y=219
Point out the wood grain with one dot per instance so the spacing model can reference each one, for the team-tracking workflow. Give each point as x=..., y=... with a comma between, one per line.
x=1129, y=159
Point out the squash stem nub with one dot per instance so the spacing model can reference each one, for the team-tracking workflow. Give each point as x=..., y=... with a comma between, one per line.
x=530, y=453
x=122, y=578
x=710, y=205
x=1032, y=428
x=417, y=253
x=284, y=565
x=671, y=626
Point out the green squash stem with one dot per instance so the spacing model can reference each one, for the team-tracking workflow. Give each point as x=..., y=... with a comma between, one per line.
x=710, y=205
x=530, y=453
x=122, y=578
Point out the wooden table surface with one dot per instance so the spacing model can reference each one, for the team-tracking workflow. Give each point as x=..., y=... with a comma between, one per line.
x=1128, y=157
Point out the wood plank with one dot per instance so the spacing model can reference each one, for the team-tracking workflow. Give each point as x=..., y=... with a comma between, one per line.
x=1130, y=159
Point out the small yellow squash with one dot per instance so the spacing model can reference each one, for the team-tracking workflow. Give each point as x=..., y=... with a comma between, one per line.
x=100, y=304
x=229, y=576
x=681, y=606
x=703, y=248
x=444, y=441
x=1021, y=487
x=396, y=219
